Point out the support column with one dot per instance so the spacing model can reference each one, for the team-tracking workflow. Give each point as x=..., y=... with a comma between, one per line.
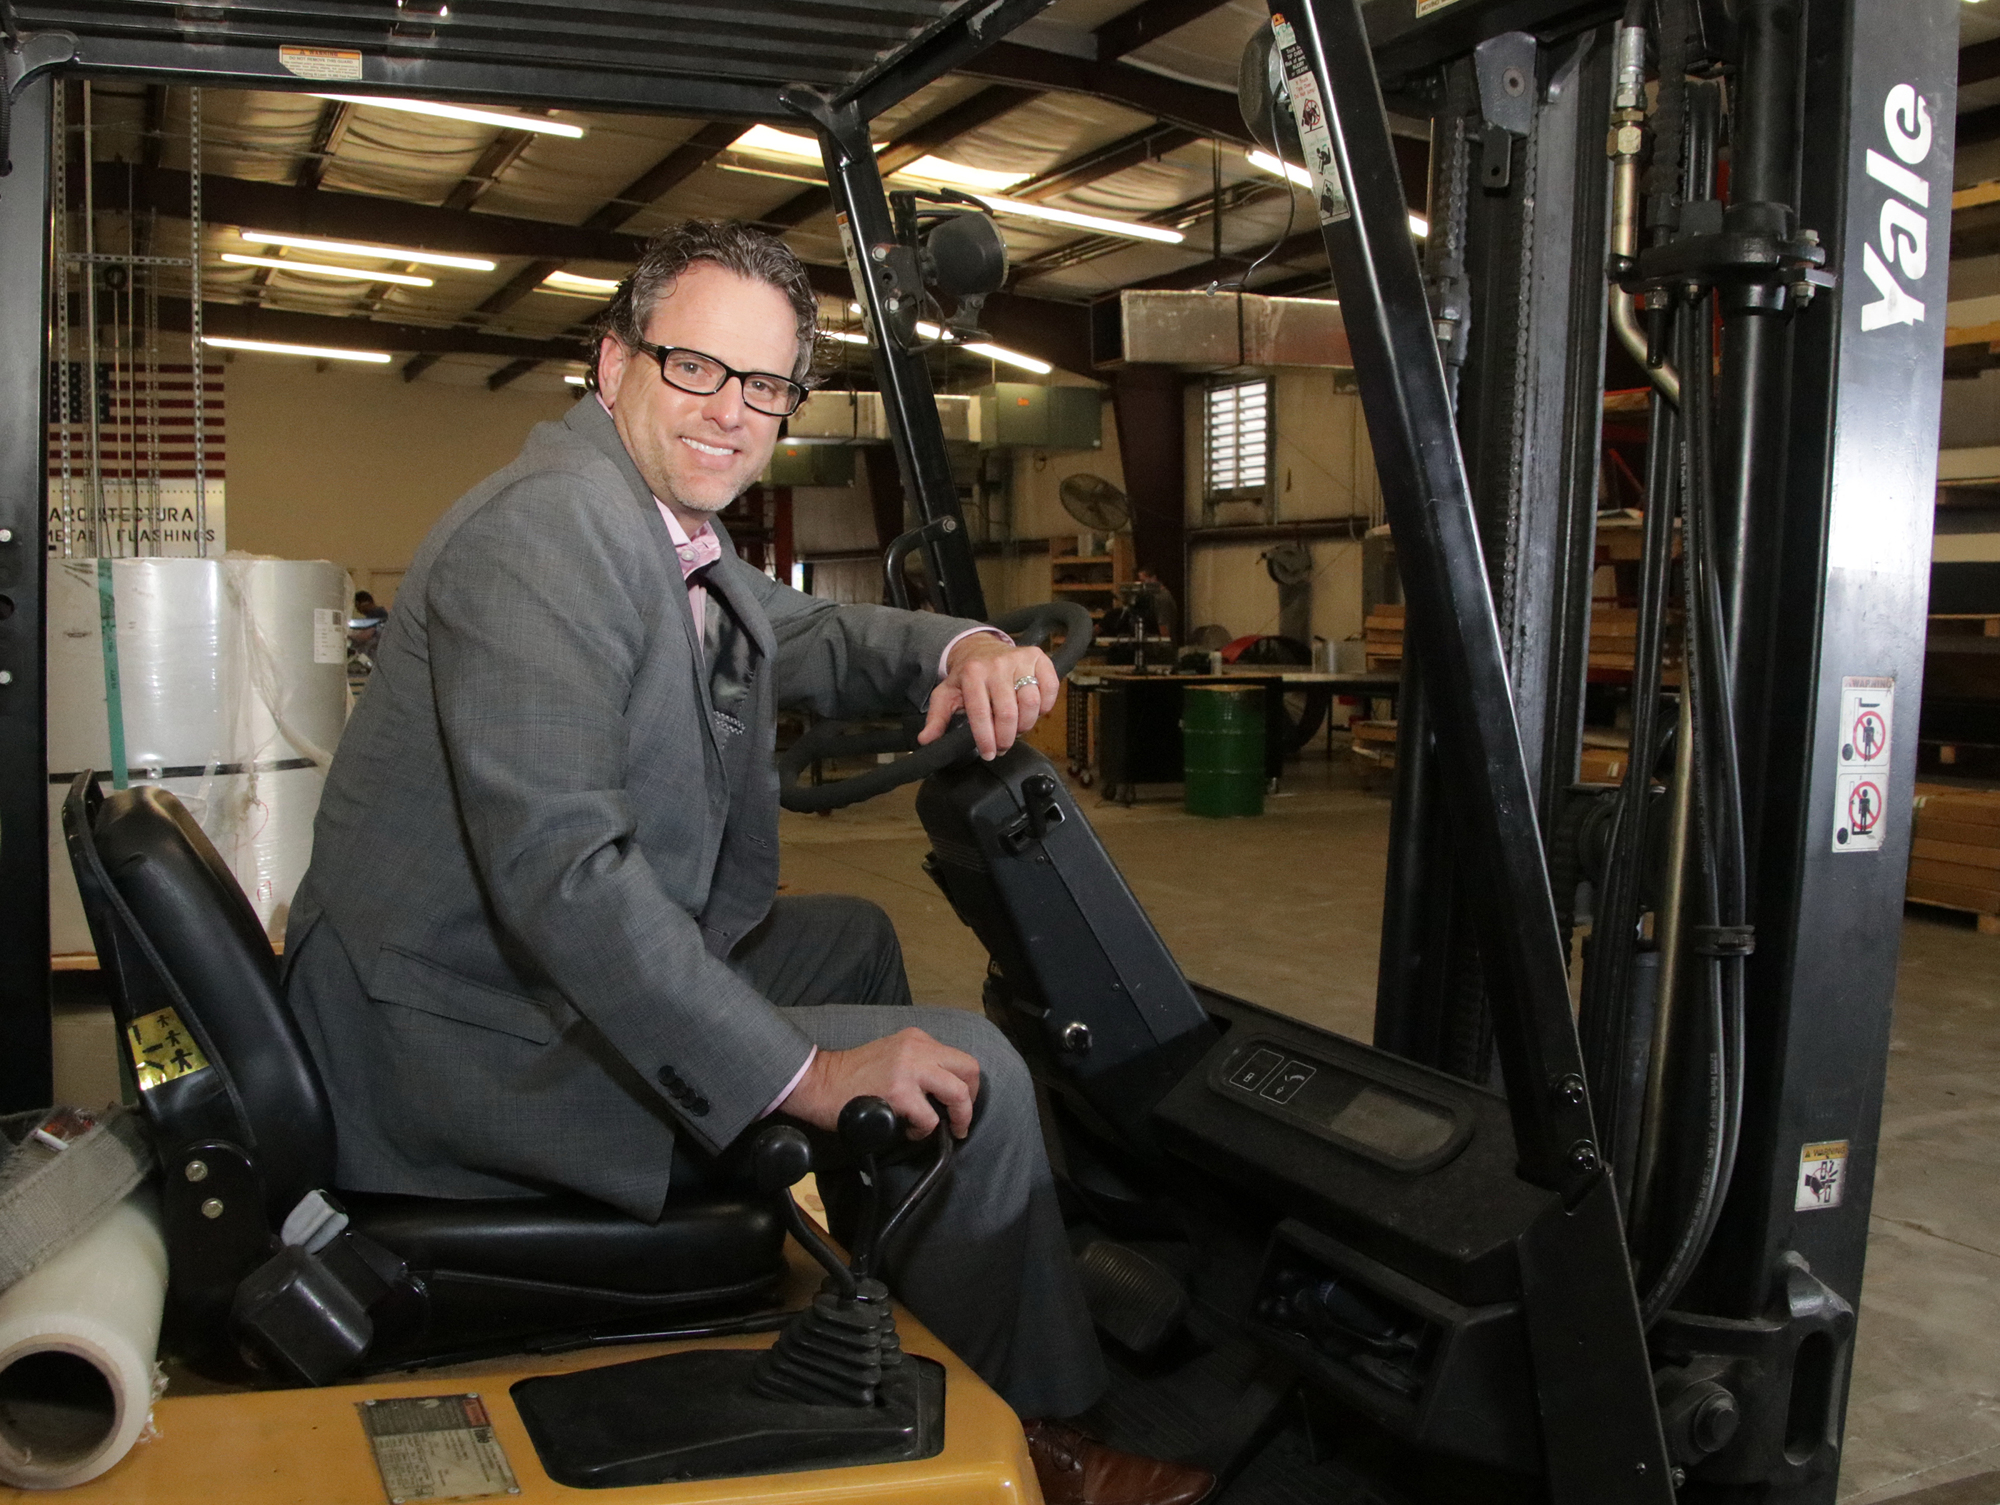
x=26, y=1054
x=1146, y=404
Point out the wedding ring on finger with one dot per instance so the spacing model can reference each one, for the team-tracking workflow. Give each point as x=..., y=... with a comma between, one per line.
x=1025, y=680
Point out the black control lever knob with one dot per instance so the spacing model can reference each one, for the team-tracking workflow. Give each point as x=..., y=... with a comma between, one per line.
x=781, y=1159
x=868, y=1126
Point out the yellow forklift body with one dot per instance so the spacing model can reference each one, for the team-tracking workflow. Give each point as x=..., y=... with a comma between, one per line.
x=308, y=1447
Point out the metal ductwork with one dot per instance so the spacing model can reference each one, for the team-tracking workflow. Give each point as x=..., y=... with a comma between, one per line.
x=1203, y=331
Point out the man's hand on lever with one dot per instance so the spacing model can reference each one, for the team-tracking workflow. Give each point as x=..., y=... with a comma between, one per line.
x=905, y=1069
x=1003, y=690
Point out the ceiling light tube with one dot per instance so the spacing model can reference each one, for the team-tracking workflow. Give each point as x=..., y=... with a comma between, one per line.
x=318, y=352
x=541, y=125
x=573, y=282
x=768, y=141
x=930, y=331
x=354, y=248
x=1008, y=357
x=938, y=170
x=1264, y=162
x=1023, y=210
x=318, y=269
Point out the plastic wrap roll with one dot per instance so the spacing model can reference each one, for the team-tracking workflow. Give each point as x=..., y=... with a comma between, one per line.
x=77, y=1342
x=233, y=677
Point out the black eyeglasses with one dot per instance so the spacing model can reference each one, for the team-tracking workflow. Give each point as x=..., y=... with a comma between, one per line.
x=704, y=376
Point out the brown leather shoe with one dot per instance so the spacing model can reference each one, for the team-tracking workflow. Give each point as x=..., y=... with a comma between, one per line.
x=1076, y=1469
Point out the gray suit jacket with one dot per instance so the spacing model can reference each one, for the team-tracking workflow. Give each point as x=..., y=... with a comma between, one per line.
x=550, y=820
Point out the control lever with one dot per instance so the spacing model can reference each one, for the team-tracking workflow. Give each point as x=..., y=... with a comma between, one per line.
x=836, y=1351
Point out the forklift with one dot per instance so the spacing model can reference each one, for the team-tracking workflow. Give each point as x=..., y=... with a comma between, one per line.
x=1565, y=1230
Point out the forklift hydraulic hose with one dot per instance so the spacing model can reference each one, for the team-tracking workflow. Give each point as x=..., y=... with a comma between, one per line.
x=1719, y=812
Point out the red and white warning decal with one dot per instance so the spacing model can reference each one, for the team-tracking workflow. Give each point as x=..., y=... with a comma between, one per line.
x=1309, y=113
x=1861, y=777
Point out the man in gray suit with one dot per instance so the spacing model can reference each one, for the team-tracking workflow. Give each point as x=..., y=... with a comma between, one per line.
x=539, y=944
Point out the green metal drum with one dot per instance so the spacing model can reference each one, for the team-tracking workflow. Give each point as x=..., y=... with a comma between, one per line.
x=1222, y=737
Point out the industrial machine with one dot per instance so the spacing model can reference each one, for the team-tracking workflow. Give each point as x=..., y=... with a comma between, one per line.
x=1504, y=1251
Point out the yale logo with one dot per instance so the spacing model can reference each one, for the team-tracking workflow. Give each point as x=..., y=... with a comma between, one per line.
x=1905, y=223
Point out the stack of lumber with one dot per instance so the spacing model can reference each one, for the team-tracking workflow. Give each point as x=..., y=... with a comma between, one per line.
x=1955, y=857
x=1374, y=742
x=1614, y=640
x=1385, y=637
x=1602, y=765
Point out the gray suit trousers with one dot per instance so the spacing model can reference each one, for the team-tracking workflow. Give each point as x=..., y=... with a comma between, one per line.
x=986, y=1264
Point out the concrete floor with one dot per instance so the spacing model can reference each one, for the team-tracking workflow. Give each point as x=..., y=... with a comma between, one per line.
x=1285, y=910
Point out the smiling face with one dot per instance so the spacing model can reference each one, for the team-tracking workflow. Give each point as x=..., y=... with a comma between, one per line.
x=700, y=453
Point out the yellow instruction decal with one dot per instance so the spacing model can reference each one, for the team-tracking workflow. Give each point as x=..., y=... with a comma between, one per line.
x=162, y=1049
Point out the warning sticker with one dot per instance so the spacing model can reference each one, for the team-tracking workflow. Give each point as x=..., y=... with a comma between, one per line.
x=324, y=64
x=1861, y=782
x=329, y=636
x=162, y=1050
x=436, y=1447
x=1303, y=90
x=1822, y=1175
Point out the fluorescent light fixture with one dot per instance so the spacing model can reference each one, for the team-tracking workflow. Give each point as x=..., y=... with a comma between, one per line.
x=1008, y=357
x=576, y=286
x=938, y=170
x=929, y=331
x=1023, y=210
x=352, y=248
x=541, y=125
x=319, y=269
x=318, y=352
x=769, y=141
x=813, y=180
x=574, y=381
x=1265, y=162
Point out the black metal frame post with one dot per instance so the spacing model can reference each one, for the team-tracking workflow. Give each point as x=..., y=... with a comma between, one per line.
x=1850, y=568
x=889, y=286
x=1601, y=1431
x=26, y=1047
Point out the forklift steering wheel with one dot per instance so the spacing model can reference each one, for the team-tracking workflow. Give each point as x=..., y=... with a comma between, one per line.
x=1031, y=627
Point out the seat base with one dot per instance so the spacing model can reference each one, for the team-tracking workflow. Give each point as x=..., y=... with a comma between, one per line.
x=688, y=1416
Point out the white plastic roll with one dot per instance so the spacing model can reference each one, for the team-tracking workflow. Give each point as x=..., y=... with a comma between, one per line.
x=77, y=1342
x=233, y=675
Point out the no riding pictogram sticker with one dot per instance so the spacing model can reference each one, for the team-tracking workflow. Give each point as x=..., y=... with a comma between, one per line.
x=1868, y=738
x=1864, y=807
x=1861, y=777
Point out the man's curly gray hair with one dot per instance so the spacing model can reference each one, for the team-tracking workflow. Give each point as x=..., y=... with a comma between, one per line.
x=733, y=246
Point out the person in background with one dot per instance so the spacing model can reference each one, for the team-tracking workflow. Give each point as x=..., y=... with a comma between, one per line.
x=1166, y=612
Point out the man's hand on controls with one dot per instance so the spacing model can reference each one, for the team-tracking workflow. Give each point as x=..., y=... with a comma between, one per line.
x=906, y=1069
x=1003, y=690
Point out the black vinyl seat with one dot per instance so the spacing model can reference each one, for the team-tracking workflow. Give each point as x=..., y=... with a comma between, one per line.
x=245, y=1135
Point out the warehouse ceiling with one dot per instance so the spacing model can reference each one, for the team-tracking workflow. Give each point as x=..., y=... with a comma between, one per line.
x=1098, y=107
x=1156, y=141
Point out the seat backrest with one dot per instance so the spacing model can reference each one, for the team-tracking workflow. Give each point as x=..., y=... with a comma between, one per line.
x=195, y=987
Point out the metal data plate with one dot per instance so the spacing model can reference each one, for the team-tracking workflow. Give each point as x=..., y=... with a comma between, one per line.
x=435, y=1447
